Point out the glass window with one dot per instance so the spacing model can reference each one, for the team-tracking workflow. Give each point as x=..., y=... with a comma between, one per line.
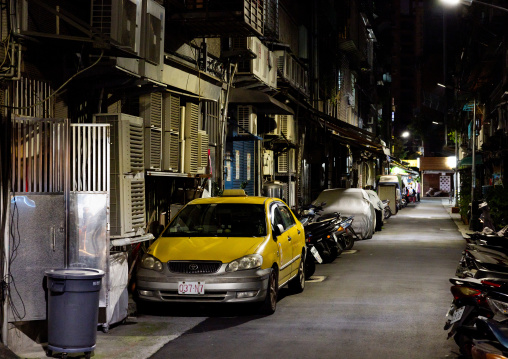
x=277, y=217
x=287, y=217
x=219, y=220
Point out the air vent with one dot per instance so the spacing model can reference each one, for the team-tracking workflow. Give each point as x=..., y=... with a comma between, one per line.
x=191, y=137
x=172, y=122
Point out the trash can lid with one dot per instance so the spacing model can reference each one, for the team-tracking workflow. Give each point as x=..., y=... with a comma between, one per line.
x=75, y=273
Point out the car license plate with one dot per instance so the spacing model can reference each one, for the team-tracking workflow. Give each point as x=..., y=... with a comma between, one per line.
x=191, y=287
x=316, y=255
x=455, y=314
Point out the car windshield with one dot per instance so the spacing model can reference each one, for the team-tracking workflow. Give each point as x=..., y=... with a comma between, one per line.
x=219, y=220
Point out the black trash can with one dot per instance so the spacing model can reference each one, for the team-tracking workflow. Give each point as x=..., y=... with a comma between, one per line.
x=73, y=306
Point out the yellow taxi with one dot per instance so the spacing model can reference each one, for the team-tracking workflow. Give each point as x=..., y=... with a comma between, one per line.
x=232, y=248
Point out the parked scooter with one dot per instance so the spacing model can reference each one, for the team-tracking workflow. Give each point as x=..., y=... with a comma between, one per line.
x=312, y=253
x=387, y=210
x=470, y=302
x=320, y=232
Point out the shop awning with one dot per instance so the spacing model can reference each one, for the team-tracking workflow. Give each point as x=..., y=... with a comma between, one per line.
x=468, y=161
x=264, y=103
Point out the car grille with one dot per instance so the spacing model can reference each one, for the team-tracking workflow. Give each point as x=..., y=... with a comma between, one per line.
x=194, y=267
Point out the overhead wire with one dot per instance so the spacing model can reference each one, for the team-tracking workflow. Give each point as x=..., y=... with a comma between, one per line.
x=58, y=89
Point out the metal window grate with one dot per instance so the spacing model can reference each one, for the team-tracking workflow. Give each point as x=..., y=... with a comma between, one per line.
x=90, y=157
x=39, y=156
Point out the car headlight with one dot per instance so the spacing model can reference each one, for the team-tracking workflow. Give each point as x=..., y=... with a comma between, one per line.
x=250, y=261
x=150, y=262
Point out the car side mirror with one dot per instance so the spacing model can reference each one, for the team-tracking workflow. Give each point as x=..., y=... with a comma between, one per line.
x=278, y=230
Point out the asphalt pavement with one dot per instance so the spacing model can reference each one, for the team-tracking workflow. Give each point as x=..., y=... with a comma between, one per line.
x=386, y=298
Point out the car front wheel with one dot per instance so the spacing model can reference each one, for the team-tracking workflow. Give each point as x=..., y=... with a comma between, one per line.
x=270, y=303
x=297, y=284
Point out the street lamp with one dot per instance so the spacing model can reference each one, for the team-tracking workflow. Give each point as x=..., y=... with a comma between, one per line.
x=469, y=2
x=405, y=134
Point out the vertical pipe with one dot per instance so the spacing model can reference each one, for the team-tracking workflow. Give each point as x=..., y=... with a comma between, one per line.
x=46, y=156
x=41, y=151
x=66, y=189
x=23, y=153
x=74, y=129
x=94, y=158
x=15, y=153
x=100, y=160
x=455, y=179
x=51, y=159
x=6, y=270
x=473, y=158
x=79, y=151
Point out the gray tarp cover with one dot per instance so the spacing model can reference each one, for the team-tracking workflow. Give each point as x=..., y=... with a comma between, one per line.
x=350, y=201
x=374, y=198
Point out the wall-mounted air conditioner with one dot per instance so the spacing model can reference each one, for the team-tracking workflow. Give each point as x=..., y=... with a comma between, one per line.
x=247, y=120
x=272, y=70
x=258, y=66
x=152, y=41
x=268, y=163
x=291, y=71
x=202, y=151
x=286, y=162
x=120, y=20
x=171, y=114
x=127, y=181
x=287, y=126
x=191, y=138
x=276, y=130
x=150, y=109
x=243, y=44
x=284, y=64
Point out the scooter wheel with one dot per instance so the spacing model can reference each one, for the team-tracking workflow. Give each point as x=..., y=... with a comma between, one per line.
x=465, y=344
x=349, y=242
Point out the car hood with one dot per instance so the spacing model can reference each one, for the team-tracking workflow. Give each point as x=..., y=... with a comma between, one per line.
x=224, y=249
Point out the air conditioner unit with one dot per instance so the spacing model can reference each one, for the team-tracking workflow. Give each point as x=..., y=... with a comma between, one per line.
x=127, y=182
x=258, y=66
x=276, y=130
x=202, y=151
x=284, y=64
x=152, y=41
x=120, y=20
x=191, y=138
x=287, y=126
x=286, y=162
x=272, y=70
x=243, y=44
x=247, y=120
x=268, y=163
x=151, y=112
x=171, y=115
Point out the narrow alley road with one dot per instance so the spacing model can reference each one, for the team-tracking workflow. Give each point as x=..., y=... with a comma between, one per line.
x=387, y=299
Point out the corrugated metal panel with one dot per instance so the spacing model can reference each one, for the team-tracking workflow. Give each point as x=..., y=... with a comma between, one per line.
x=243, y=166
